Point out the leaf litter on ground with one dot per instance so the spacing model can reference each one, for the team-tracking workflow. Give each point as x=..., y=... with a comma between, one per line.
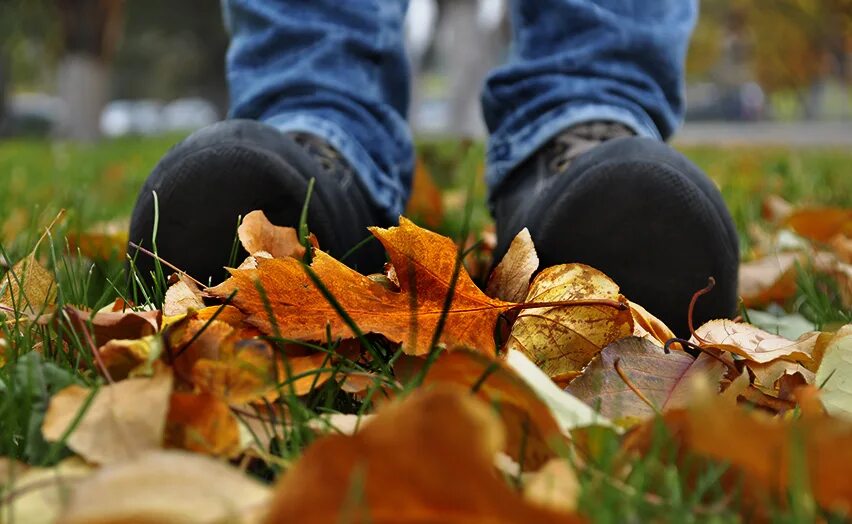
x=270, y=337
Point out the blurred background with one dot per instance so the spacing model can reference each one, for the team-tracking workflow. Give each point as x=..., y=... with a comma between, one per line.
x=86, y=69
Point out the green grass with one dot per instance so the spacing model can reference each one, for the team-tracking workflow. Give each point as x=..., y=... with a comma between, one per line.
x=100, y=183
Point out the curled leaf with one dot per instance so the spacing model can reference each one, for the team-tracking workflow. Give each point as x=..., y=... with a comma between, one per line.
x=563, y=339
x=257, y=233
x=510, y=279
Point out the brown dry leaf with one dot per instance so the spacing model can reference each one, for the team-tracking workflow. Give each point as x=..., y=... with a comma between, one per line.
x=424, y=262
x=202, y=423
x=834, y=375
x=554, y=486
x=754, y=343
x=181, y=297
x=562, y=340
x=167, y=486
x=821, y=224
x=510, y=280
x=649, y=327
x=775, y=209
x=441, y=441
x=762, y=448
x=530, y=427
x=426, y=203
x=257, y=233
x=124, y=358
x=769, y=279
x=123, y=420
x=305, y=372
x=766, y=376
x=28, y=287
x=666, y=380
x=106, y=326
x=242, y=372
x=38, y=495
x=841, y=245
x=102, y=241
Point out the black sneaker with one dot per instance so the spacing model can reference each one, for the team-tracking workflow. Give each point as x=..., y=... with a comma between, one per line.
x=631, y=207
x=222, y=172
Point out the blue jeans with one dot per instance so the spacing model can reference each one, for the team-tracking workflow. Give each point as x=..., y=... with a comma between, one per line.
x=338, y=69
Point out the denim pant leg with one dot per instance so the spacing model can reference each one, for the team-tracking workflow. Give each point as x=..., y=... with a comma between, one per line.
x=333, y=68
x=579, y=60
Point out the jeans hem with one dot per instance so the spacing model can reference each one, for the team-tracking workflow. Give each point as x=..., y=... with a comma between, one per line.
x=507, y=151
x=386, y=195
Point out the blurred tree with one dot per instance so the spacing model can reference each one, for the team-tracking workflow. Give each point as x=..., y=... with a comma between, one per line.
x=172, y=49
x=90, y=30
x=788, y=45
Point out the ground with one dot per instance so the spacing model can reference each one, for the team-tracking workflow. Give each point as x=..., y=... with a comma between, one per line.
x=98, y=184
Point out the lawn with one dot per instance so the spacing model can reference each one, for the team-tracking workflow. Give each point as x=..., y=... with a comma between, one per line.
x=97, y=184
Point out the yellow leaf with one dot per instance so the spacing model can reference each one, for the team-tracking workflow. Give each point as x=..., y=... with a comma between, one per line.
x=28, y=287
x=167, y=486
x=554, y=486
x=562, y=340
x=123, y=419
x=35, y=495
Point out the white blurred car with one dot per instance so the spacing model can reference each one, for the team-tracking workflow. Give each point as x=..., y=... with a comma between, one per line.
x=151, y=117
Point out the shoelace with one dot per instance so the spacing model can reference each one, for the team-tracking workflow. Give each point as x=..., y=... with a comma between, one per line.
x=575, y=141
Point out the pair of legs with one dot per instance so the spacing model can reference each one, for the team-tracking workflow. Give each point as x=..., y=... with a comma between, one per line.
x=576, y=118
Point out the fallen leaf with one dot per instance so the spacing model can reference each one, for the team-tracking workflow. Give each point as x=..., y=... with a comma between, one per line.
x=554, y=486
x=102, y=241
x=426, y=203
x=766, y=376
x=754, y=343
x=530, y=428
x=181, y=297
x=841, y=245
x=257, y=233
x=201, y=423
x=769, y=279
x=649, y=327
x=764, y=449
x=424, y=261
x=510, y=280
x=788, y=325
x=28, y=287
x=562, y=340
x=821, y=224
x=242, y=371
x=106, y=326
x=167, y=486
x=441, y=441
x=304, y=373
x=122, y=420
x=834, y=375
x=37, y=495
x=776, y=209
x=570, y=412
x=124, y=358
x=666, y=380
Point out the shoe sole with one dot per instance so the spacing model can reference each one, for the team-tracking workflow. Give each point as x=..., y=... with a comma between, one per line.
x=648, y=218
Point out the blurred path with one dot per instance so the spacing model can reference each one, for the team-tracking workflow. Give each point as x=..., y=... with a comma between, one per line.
x=836, y=134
